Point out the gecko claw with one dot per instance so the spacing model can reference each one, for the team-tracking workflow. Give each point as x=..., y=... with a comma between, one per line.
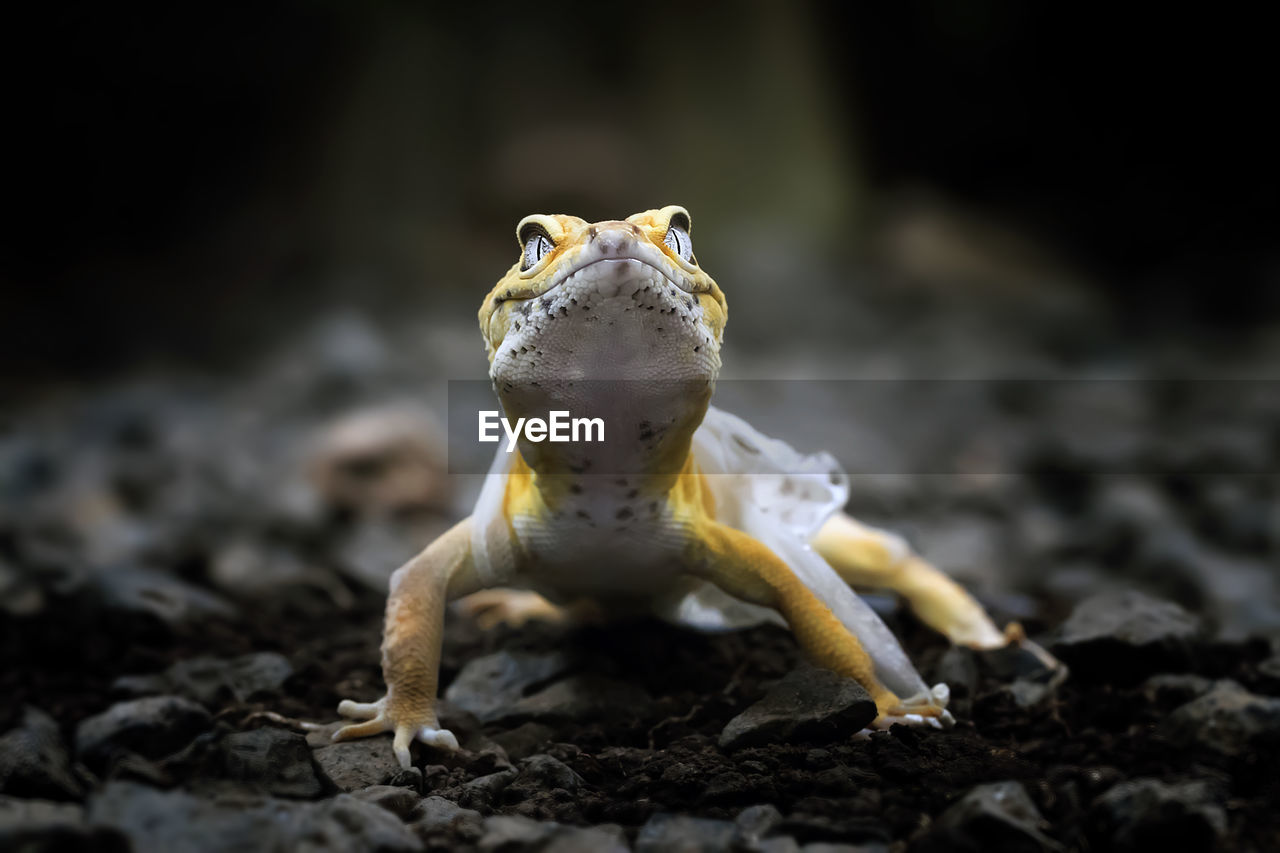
x=377, y=719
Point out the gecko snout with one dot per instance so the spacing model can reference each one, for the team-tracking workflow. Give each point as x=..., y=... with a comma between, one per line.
x=611, y=239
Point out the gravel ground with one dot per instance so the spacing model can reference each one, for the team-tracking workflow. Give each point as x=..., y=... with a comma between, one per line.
x=190, y=567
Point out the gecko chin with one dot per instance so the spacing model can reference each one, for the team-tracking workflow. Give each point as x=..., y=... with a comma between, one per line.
x=614, y=318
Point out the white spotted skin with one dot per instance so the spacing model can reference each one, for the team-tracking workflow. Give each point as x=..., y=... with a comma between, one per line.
x=619, y=339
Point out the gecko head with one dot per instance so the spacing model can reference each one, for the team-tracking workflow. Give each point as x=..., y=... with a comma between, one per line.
x=603, y=285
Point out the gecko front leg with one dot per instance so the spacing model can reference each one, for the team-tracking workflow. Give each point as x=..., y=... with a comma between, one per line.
x=420, y=589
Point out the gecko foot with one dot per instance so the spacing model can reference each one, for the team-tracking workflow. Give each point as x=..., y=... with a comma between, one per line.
x=927, y=709
x=493, y=607
x=378, y=719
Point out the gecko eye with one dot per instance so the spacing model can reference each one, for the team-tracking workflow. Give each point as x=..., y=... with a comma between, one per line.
x=536, y=246
x=679, y=241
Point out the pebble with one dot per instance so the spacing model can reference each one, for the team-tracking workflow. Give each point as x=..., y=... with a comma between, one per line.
x=576, y=699
x=214, y=682
x=41, y=825
x=269, y=761
x=153, y=728
x=1122, y=637
x=355, y=764
x=34, y=761
x=514, y=832
x=672, y=833
x=436, y=815
x=998, y=816
x=807, y=704
x=488, y=686
x=1228, y=720
x=1147, y=814
x=164, y=821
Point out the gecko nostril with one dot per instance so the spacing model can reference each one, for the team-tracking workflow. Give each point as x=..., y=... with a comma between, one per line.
x=592, y=232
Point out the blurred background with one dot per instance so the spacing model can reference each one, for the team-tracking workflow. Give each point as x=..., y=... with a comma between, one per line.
x=189, y=185
x=235, y=236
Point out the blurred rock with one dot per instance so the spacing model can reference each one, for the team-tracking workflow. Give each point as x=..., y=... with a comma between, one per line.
x=487, y=686
x=1123, y=637
x=576, y=699
x=401, y=802
x=807, y=704
x=20, y=593
x=1228, y=720
x=34, y=762
x=132, y=592
x=37, y=826
x=998, y=816
x=382, y=460
x=436, y=816
x=1147, y=814
x=373, y=549
x=524, y=740
x=1175, y=688
x=755, y=822
x=514, y=833
x=152, y=728
x=164, y=821
x=670, y=833
x=269, y=761
x=544, y=773
x=214, y=682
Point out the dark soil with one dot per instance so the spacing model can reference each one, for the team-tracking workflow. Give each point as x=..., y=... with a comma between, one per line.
x=632, y=756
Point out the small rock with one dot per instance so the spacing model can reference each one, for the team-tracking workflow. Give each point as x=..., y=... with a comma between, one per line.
x=401, y=802
x=1175, y=688
x=142, y=592
x=153, y=728
x=34, y=762
x=1124, y=637
x=670, y=833
x=175, y=820
x=513, y=832
x=1228, y=720
x=524, y=740
x=40, y=825
x=214, y=682
x=491, y=784
x=756, y=822
x=1146, y=814
x=808, y=704
x=356, y=764
x=958, y=669
x=270, y=761
x=999, y=816
x=435, y=815
x=489, y=685
x=546, y=773
x=578, y=698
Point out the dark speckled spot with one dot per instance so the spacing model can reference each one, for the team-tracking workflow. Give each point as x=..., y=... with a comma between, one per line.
x=582, y=513
x=624, y=513
x=576, y=488
x=633, y=493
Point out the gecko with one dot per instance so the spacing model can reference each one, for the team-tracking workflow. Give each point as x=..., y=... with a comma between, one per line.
x=687, y=512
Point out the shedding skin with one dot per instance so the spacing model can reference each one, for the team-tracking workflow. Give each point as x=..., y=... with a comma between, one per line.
x=625, y=300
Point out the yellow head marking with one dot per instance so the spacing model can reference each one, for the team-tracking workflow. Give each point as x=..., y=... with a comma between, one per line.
x=554, y=247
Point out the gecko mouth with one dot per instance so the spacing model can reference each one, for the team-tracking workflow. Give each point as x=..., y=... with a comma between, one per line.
x=610, y=274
